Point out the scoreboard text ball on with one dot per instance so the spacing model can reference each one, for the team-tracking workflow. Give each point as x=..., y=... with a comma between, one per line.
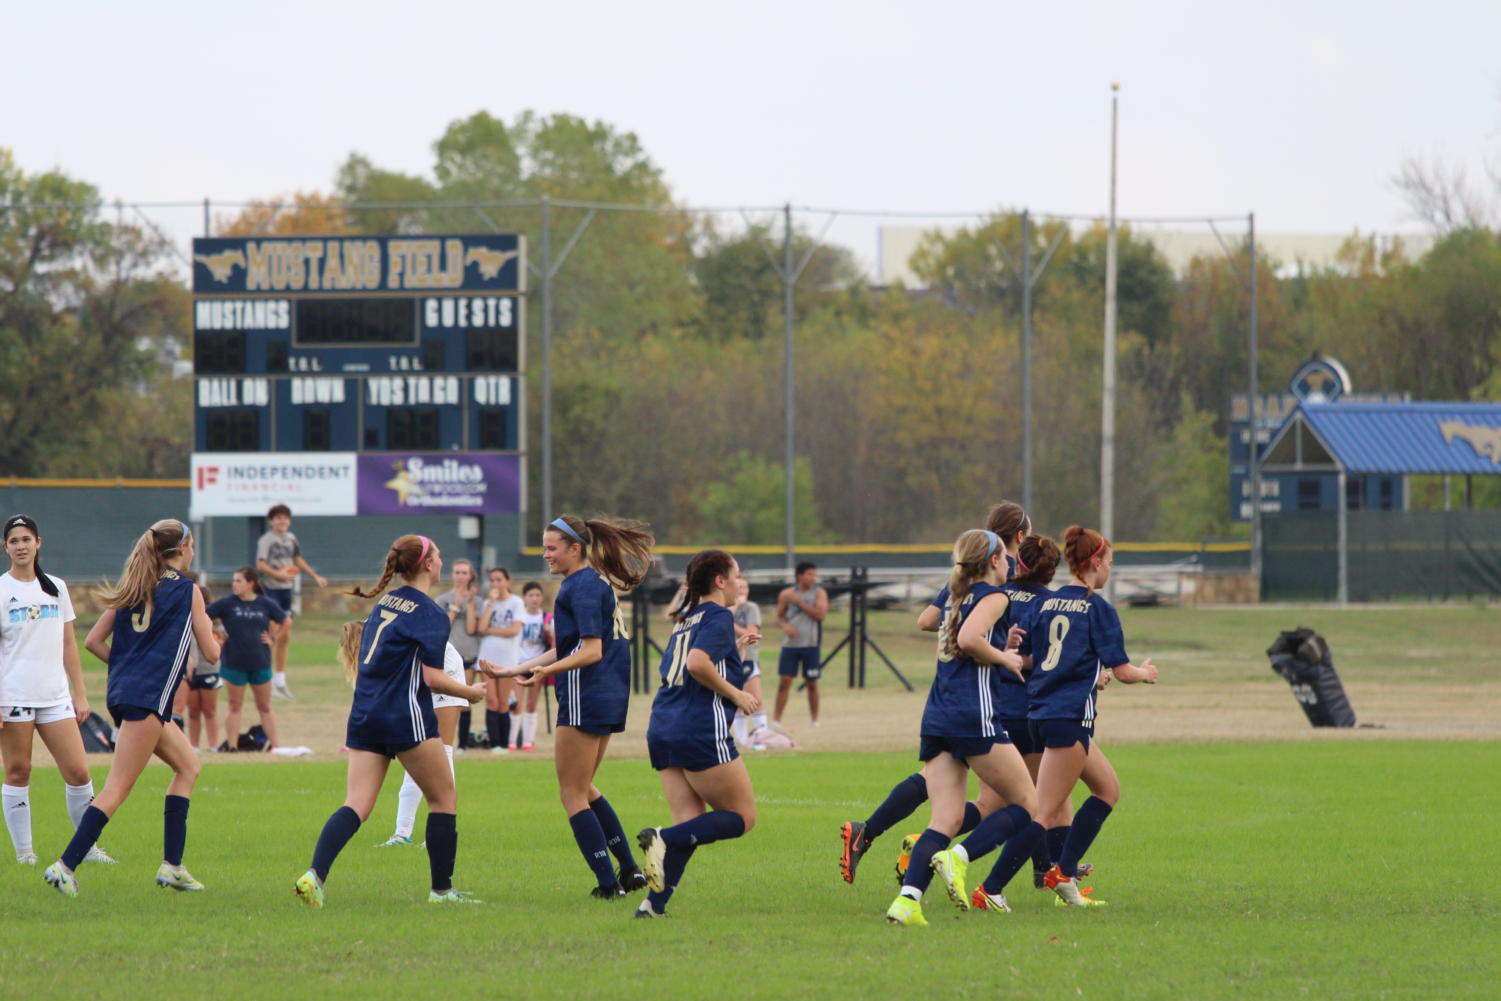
x=402, y=347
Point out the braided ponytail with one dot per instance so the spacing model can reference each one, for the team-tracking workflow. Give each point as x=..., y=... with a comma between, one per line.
x=1036, y=561
x=406, y=556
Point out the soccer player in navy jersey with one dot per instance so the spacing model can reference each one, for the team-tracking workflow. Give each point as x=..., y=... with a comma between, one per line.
x=592, y=667
x=1036, y=561
x=152, y=615
x=251, y=622
x=1011, y=524
x=1074, y=634
x=961, y=728
x=400, y=666
x=704, y=779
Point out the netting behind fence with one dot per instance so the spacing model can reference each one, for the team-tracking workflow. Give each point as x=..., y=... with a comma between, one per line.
x=1394, y=556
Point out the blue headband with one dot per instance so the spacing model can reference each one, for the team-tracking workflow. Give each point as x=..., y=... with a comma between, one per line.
x=995, y=541
x=187, y=533
x=566, y=529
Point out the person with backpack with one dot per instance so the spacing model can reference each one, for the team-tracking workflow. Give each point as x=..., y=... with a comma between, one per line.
x=251, y=623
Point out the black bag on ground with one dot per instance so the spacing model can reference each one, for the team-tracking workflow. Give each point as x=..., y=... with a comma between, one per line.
x=1302, y=657
x=254, y=739
x=98, y=738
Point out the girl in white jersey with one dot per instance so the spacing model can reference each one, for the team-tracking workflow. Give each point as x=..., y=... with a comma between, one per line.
x=499, y=626
x=535, y=640
x=41, y=686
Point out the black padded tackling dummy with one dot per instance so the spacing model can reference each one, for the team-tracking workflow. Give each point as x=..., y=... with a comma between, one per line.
x=1302, y=657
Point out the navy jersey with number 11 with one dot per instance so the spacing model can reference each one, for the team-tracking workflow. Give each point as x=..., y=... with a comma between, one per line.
x=405, y=630
x=1074, y=634
x=683, y=707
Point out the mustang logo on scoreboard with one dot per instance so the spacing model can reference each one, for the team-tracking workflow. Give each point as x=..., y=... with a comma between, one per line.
x=341, y=265
x=490, y=261
x=221, y=265
x=1486, y=441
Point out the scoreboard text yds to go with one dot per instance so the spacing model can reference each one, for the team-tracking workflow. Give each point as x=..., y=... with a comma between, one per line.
x=347, y=483
x=359, y=344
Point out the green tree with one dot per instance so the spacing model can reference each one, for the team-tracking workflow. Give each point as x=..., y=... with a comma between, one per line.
x=743, y=296
x=746, y=504
x=90, y=324
x=1189, y=472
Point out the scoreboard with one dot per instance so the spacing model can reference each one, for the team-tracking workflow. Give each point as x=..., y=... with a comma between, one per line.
x=372, y=346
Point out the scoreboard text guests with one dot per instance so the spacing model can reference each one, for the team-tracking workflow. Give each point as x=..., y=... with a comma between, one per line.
x=358, y=344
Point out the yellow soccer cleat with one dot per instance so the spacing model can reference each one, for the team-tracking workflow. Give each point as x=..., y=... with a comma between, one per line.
x=906, y=911
x=904, y=857
x=310, y=889
x=951, y=867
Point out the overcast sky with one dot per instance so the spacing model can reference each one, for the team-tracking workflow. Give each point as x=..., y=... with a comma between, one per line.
x=1301, y=111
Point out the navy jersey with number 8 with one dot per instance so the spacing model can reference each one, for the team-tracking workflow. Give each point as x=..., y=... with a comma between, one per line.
x=1074, y=634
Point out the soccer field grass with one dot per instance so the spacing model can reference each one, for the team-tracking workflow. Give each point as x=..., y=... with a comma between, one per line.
x=1329, y=870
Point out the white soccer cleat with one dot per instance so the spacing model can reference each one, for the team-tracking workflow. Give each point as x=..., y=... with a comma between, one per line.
x=1068, y=890
x=58, y=877
x=27, y=858
x=175, y=877
x=97, y=854
x=654, y=849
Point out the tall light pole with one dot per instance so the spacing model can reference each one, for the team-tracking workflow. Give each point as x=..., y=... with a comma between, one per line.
x=1107, y=396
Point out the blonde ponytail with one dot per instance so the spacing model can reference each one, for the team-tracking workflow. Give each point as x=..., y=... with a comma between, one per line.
x=972, y=553
x=349, y=649
x=145, y=564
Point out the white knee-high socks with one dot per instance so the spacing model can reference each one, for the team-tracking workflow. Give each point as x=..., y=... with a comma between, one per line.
x=16, y=801
x=410, y=798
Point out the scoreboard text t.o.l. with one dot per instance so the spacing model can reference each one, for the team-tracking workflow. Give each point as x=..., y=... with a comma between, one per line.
x=358, y=344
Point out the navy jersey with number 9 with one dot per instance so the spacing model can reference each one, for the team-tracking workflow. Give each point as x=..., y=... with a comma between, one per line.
x=392, y=703
x=962, y=699
x=1074, y=634
x=148, y=655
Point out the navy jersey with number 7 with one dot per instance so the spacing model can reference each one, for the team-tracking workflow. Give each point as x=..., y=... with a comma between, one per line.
x=1074, y=634
x=405, y=630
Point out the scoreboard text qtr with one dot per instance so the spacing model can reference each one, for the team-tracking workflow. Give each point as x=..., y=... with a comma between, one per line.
x=358, y=344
